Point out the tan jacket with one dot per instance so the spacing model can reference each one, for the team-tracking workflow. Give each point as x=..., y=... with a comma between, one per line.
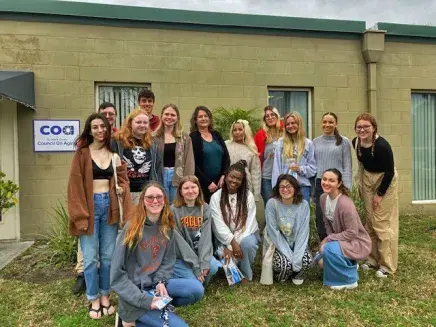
x=184, y=164
x=80, y=195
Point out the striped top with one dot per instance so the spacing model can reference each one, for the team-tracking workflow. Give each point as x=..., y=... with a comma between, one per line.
x=329, y=155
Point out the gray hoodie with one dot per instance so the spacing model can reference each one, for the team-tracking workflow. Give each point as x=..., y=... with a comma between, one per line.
x=134, y=270
x=194, y=225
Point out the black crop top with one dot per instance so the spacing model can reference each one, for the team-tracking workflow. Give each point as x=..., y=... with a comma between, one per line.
x=98, y=173
x=169, y=157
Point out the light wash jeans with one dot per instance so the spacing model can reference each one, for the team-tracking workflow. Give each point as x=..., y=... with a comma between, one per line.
x=265, y=190
x=170, y=190
x=185, y=291
x=305, y=191
x=181, y=270
x=99, y=245
x=152, y=318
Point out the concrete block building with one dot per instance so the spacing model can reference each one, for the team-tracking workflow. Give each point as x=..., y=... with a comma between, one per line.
x=59, y=60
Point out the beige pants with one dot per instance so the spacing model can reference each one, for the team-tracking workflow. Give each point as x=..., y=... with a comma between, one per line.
x=79, y=265
x=382, y=222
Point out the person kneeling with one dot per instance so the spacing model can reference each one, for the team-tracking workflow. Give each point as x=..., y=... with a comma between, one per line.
x=287, y=230
x=347, y=240
x=194, y=223
x=143, y=261
x=234, y=219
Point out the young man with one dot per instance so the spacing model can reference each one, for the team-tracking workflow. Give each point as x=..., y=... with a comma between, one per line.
x=146, y=101
x=109, y=111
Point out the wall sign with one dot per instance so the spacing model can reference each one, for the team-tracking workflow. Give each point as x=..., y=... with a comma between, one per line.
x=51, y=135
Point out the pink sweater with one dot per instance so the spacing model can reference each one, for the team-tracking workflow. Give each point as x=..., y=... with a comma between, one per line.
x=347, y=228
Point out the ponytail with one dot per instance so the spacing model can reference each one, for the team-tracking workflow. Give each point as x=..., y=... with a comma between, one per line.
x=338, y=137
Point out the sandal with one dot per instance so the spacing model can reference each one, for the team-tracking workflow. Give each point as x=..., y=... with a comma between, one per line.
x=98, y=311
x=110, y=309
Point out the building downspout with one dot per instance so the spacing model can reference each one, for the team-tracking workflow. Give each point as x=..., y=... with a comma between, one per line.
x=373, y=46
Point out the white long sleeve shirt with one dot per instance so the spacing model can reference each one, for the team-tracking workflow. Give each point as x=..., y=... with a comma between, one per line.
x=224, y=233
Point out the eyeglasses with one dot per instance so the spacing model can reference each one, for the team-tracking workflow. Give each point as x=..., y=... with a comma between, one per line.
x=271, y=116
x=286, y=187
x=363, y=128
x=150, y=198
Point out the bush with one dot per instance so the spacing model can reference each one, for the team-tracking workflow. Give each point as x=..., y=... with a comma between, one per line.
x=8, y=189
x=62, y=245
x=224, y=118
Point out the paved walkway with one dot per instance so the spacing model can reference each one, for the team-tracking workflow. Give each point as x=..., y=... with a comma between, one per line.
x=10, y=250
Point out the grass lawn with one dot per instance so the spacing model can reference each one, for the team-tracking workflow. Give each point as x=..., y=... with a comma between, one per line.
x=34, y=292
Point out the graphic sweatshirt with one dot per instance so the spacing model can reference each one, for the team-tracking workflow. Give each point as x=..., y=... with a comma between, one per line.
x=195, y=227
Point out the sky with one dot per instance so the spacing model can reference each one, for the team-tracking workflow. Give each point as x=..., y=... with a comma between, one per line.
x=371, y=11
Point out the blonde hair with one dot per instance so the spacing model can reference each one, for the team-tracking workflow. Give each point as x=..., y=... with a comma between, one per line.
x=125, y=134
x=248, y=135
x=139, y=214
x=177, y=130
x=272, y=133
x=288, y=140
x=180, y=200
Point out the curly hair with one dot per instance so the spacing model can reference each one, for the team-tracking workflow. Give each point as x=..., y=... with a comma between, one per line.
x=298, y=197
x=193, y=120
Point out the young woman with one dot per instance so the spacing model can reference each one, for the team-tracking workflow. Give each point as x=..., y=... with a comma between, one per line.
x=194, y=223
x=143, y=261
x=295, y=154
x=377, y=182
x=347, y=240
x=210, y=152
x=93, y=208
x=135, y=146
x=266, y=140
x=332, y=150
x=234, y=219
x=242, y=147
x=287, y=225
x=176, y=146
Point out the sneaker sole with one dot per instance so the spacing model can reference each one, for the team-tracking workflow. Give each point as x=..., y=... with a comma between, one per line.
x=344, y=287
x=380, y=275
x=298, y=281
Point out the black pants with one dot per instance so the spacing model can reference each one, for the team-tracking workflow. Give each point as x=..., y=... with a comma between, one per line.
x=319, y=221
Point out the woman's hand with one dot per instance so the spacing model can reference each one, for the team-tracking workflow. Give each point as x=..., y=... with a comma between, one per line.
x=321, y=246
x=212, y=187
x=153, y=305
x=120, y=190
x=295, y=167
x=376, y=200
x=228, y=254
x=161, y=290
x=205, y=272
x=237, y=251
x=201, y=278
x=221, y=181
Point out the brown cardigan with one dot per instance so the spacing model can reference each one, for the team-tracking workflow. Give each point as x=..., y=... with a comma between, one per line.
x=80, y=195
x=347, y=229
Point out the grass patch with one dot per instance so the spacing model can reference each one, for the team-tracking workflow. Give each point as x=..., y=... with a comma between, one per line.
x=34, y=292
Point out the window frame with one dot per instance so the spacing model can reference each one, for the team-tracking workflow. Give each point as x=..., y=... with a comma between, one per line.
x=309, y=102
x=121, y=84
x=426, y=92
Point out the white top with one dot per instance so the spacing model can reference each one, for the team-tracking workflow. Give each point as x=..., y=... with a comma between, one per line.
x=330, y=207
x=224, y=233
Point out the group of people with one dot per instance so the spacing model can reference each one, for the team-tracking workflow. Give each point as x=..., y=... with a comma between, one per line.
x=183, y=205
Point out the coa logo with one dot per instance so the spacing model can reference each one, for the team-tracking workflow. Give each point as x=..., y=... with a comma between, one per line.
x=56, y=130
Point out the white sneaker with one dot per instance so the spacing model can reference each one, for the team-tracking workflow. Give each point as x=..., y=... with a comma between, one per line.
x=344, y=287
x=297, y=281
x=381, y=273
x=367, y=266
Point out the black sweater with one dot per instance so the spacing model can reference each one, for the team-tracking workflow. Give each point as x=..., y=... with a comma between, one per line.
x=381, y=162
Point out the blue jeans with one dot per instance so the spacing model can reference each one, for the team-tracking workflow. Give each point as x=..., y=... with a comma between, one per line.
x=305, y=191
x=99, y=245
x=249, y=246
x=170, y=190
x=266, y=190
x=185, y=291
x=319, y=219
x=181, y=270
x=152, y=318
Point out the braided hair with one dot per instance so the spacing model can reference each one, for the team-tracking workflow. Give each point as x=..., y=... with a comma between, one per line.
x=369, y=118
x=241, y=200
x=336, y=132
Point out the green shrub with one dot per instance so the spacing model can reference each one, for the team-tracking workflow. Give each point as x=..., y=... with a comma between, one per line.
x=224, y=118
x=62, y=245
x=8, y=190
x=358, y=202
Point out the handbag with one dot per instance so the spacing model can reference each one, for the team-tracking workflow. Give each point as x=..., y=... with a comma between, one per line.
x=120, y=203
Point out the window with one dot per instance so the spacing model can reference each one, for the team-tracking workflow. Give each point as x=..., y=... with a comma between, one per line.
x=424, y=146
x=287, y=100
x=124, y=97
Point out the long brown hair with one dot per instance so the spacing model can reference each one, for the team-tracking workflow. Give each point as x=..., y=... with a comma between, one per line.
x=180, y=200
x=139, y=214
x=369, y=118
x=86, y=139
x=177, y=130
x=336, y=132
x=288, y=141
x=298, y=197
x=125, y=134
x=342, y=188
x=194, y=116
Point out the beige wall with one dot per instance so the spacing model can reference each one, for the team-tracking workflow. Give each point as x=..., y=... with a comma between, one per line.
x=192, y=68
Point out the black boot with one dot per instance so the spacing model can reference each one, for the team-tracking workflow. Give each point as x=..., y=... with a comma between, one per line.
x=79, y=286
